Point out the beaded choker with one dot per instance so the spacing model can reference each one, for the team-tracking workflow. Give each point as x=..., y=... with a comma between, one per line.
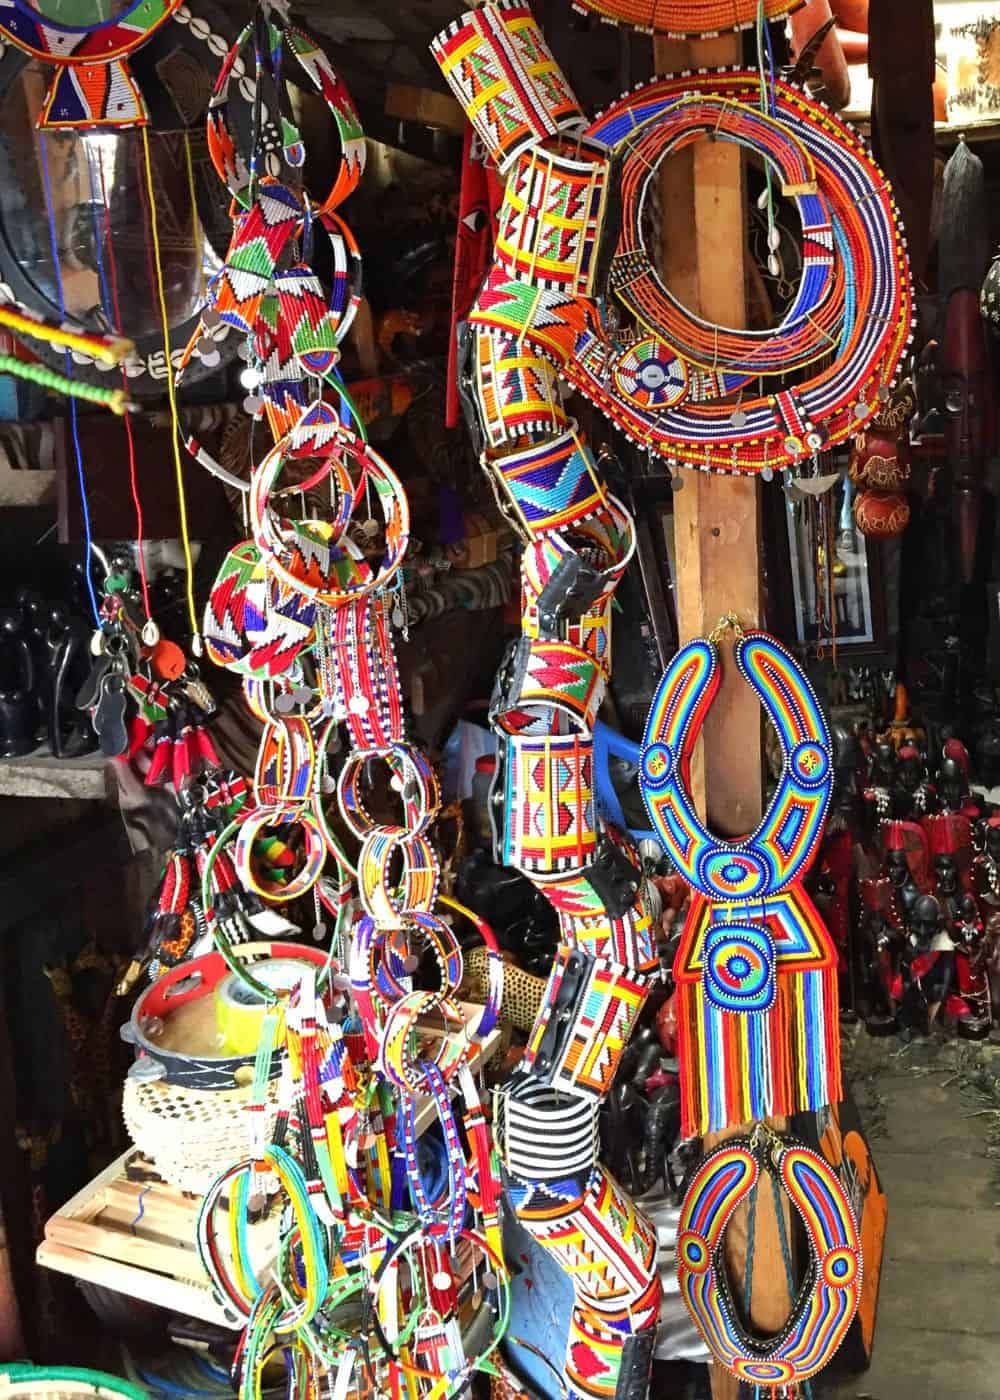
x=828, y=1298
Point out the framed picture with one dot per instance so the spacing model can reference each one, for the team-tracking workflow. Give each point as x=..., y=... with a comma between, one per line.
x=836, y=599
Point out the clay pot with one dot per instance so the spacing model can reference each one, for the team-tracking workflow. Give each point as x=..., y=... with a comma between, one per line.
x=880, y=459
x=880, y=515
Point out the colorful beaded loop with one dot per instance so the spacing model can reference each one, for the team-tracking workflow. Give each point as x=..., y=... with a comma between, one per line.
x=411, y=777
x=829, y=1295
x=232, y=167
x=247, y=860
x=349, y=576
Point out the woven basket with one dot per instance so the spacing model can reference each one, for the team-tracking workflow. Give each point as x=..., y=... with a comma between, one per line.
x=191, y=1134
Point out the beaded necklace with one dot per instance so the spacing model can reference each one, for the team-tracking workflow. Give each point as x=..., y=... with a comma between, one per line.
x=755, y=969
x=665, y=380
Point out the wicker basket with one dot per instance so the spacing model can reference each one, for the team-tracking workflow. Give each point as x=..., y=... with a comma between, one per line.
x=191, y=1134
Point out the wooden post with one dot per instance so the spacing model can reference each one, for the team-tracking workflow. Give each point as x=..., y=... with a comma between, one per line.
x=717, y=552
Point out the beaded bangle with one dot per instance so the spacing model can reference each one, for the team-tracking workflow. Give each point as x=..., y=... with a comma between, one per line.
x=397, y=1057
x=286, y=765
x=392, y=499
x=513, y=89
x=396, y=875
x=231, y=1286
x=245, y=859
x=413, y=779
x=23, y=1374
x=553, y=485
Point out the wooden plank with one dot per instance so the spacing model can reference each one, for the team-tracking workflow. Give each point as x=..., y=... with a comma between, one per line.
x=716, y=518
x=179, y=1296
x=717, y=550
x=118, y=1244
x=425, y=106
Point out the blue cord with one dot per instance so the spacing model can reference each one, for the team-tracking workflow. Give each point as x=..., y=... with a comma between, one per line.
x=770, y=66
x=68, y=363
x=142, y=1207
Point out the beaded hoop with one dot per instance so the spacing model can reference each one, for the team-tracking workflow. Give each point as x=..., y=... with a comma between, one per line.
x=230, y=165
x=830, y=1292
x=412, y=777
x=355, y=578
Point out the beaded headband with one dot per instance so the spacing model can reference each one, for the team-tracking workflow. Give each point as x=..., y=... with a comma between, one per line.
x=828, y=1298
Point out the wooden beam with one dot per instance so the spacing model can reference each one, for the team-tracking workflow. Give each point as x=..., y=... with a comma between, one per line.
x=423, y=105
x=717, y=552
x=716, y=518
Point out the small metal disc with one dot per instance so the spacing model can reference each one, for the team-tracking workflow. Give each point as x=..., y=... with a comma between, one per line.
x=359, y=705
x=441, y=1280
x=676, y=482
x=489, y=1280
x=767, y=474
x=244, y=350
x=253, y=404
x=738, y=419
x=411, y=962
x=210, y=361
x=284, y=703
x=397, y=617
x=211, y=319
x=319, y=932
x=860, y=411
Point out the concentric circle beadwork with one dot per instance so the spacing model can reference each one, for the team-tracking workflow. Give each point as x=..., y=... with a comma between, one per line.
x=740, y=968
